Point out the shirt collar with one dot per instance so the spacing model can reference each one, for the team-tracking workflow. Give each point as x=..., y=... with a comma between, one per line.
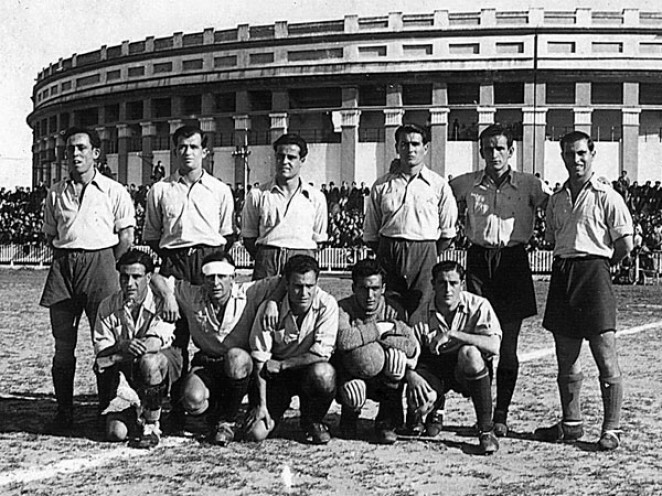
x=304, y=187
x=149, y=304
x=285, y=304
x=423, y=174
x=176, y=177
x=461, y=307
x=99, y=180
x=511, y=177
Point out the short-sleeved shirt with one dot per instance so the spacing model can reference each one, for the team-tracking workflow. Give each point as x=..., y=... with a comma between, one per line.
x=500, y=216
x=598, y=217
x=317, y=334
x=298, y=222
x=474, y=315
x=213, y=335
x=114, y=323
x=417, y=208
x=182, y=215
x=93, y=223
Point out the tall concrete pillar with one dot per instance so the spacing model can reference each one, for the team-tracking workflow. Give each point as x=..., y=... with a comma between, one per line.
x=60, y=159
x=534, y=120
x=123, y=136
x=148, y=132
x=350, y=119
x=208, y=126
x=242, y=170
x=392, y=121
x=583, y=120
x=485, y=118
x=174, y=125
x=278, y=125
x=630, y=142
x=438, y=139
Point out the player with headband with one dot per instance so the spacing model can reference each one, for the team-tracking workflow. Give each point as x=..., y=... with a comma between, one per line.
x=220, y=313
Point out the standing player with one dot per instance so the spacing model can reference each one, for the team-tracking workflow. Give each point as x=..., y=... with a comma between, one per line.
x=129, y=329
x=220, y=314
x=189, y=215
x=292, y=360
x=501, y=206
x=410, y=218
x=89, y=221
x=591, y=229
x=286, y=216
x=459, y=333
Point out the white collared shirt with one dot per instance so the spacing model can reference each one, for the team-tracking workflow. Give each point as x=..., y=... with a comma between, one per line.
x=297, y=222
x=180, y=215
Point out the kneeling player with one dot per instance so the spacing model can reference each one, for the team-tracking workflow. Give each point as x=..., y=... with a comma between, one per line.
x=374, y=348
x=132, y=340
x=220, y=314
x=293, y=359
x=458, y=333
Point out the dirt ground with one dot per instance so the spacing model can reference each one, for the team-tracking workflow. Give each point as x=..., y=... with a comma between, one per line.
x=32, y=463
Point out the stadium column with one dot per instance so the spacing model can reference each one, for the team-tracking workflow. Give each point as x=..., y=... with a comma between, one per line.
x=208, y=126
x=242, y=125
x=583, y=119
x=174, y=125
x=534, y=120
x=438, y=139
x=278, y=125
x=59, y=157
x=485, y=119
x=630, y=142
x=350, y=119
x=123, y=135
x=393, y=115
x=148, y=132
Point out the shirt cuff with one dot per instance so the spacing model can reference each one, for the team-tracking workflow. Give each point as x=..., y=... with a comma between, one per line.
x=448, y=233
x=124, y=223
x=261, y=356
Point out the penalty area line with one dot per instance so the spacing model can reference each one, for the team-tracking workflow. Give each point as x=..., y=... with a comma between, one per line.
x=537, y=354
x=75, y=465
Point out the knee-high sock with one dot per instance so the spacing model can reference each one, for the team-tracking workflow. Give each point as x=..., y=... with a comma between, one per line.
x=481, y=395
x=232, y=395
x=612, y=400
x=506, y=380
x=570, y=387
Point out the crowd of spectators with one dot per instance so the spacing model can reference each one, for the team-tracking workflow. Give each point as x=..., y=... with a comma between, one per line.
x=21, y=212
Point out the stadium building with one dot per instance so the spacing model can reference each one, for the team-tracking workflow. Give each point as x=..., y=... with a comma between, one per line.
x=345, y=85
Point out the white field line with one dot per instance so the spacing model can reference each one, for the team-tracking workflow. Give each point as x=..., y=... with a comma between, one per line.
x=537, y=354
x=80, y=464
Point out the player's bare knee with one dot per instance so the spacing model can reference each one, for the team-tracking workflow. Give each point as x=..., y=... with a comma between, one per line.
x=151, y=368
x=320, y=378
x=470, y=360
x=116, y=430
x=238, y=364
x=195, y=398
x=257, y=433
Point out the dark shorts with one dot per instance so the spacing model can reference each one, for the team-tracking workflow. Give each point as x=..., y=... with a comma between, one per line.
x=86, y=277
x=581, y=302
x=270, y=260
x=441, y=372
x=503, y=276
x=186, y=263
x=408, y=268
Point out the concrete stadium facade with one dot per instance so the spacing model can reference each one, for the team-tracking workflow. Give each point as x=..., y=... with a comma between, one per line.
x=345, y=85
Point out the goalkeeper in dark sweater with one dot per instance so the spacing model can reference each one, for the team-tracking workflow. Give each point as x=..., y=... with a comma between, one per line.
x=373, y=350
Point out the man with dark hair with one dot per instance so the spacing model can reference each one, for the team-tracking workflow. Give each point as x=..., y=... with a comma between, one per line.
x=458, y=333
x=286, y=216
x=500, y=205
x=293, y=359
x=188, y=216
x=220, y=314
x=591, y=229
x=410, y=218
x=374, y=347
x=132, y=345
x=89, y=221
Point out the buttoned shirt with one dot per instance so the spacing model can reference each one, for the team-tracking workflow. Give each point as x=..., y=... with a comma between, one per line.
x=182, y=215
x=499, y=216
x=298, y=222
x=317, y=334
x=417, y=208
x=214, y=334
x=598, y=217
x=114, y=323
x=474, y=315
x=90, y=223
